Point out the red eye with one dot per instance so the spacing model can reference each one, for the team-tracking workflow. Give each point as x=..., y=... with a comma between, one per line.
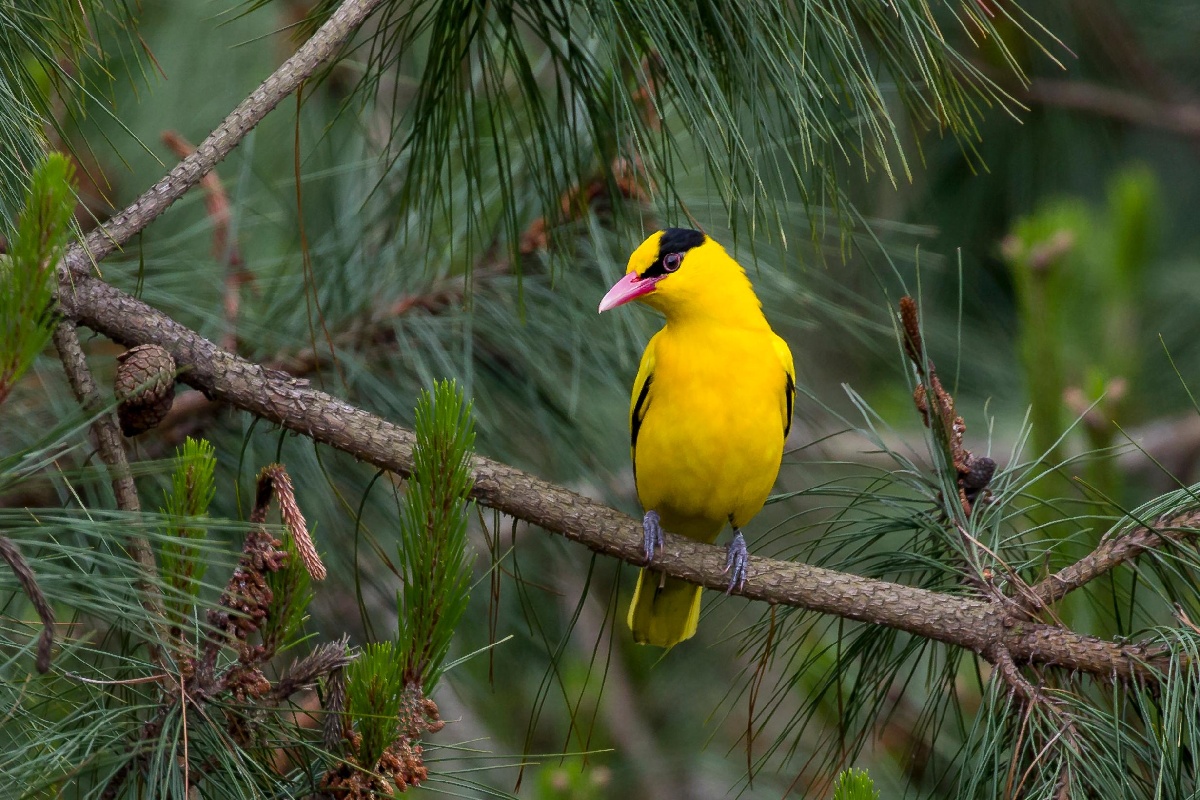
x=671, y=261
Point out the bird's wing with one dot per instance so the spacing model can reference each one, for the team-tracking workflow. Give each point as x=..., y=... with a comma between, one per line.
x=789, y=390
x=640, y=401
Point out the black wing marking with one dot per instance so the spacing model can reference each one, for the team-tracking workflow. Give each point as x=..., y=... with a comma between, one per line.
x=790, y=391
x=639, y=412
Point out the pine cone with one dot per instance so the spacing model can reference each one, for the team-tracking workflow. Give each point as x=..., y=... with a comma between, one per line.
x=145, y=387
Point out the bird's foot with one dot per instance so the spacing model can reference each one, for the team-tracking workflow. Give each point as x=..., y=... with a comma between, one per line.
x=652, y=535
x=737, y=558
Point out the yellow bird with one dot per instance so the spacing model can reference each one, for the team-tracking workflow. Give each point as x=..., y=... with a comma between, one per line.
x=711, y=408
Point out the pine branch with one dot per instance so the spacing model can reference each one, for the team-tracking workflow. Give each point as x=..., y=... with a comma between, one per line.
x=961, y=621
x=1109, y=554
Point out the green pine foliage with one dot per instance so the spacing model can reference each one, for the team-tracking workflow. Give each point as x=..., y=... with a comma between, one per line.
x=375, y=684
x=184, y=506
x=855, y=784
x=27, y=272
x=433, y=556
x=48, y=49
x=291, y=593
x=389, y=685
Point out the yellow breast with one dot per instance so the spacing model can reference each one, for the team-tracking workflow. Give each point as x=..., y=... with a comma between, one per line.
x=709, y=445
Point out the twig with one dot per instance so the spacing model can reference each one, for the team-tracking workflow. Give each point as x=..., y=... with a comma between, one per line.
x=1109, y=554
x=104, y=429
x=224, y=247
x=12, y=555
x=301, y=66
x=960, y=621
x=1032, y=697
x=112, y=453
x=972, y=474
x=937, y=410
x=1181, y=118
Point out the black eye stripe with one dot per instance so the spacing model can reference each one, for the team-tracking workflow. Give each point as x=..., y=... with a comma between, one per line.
x=674, y=242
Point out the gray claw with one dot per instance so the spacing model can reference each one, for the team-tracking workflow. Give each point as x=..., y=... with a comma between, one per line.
x=652, y=535
x=737, y=558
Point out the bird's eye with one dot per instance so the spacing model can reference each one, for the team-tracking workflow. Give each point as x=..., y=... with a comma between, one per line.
x=671, y=261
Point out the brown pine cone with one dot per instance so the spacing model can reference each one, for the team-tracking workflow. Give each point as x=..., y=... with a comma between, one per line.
x=145, y=387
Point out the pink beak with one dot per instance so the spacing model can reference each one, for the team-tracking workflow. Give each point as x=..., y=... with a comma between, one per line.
x=628, y=288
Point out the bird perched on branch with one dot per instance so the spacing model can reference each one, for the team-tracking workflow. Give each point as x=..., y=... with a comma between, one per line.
x=711, y=408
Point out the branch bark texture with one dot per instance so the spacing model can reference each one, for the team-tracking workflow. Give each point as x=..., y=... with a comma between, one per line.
x=962, y=621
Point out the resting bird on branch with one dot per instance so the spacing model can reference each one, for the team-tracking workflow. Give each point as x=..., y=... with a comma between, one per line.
x=711, y=408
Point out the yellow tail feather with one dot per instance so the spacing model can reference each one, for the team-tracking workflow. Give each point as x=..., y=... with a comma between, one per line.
x=663, y=615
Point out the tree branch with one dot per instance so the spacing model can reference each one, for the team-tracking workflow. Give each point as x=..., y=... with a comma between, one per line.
x=301, y=66
x=279, y=398
x=1109, y=554
x=112, y=453
x=1181, y=118
x=104, y=428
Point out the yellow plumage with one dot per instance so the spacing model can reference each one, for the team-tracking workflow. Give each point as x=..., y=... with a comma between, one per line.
x=710, y=410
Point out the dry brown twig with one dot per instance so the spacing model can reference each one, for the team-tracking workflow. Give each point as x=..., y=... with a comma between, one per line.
x=972, y=473
x=224, y=247
x=25, y=577
x=937, y=408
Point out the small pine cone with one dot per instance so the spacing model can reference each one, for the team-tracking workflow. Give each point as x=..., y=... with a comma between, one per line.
x=978, y=475
x=145, y=387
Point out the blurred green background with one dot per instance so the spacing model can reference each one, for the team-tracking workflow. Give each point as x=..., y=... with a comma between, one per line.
x=1053, y=253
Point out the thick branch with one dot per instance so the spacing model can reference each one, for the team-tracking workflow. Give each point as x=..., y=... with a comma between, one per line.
x=302, y=65
x=276, y=397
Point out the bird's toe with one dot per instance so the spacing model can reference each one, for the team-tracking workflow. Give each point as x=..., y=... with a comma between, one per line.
x=737, y=559
x=652, y=535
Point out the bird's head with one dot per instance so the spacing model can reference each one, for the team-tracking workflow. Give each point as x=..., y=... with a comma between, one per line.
x=682, y=272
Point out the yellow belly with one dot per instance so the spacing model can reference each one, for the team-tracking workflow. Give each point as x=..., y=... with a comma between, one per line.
x=709, y=446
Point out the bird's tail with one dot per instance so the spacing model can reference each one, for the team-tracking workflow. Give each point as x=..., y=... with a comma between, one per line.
x=663, y=612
